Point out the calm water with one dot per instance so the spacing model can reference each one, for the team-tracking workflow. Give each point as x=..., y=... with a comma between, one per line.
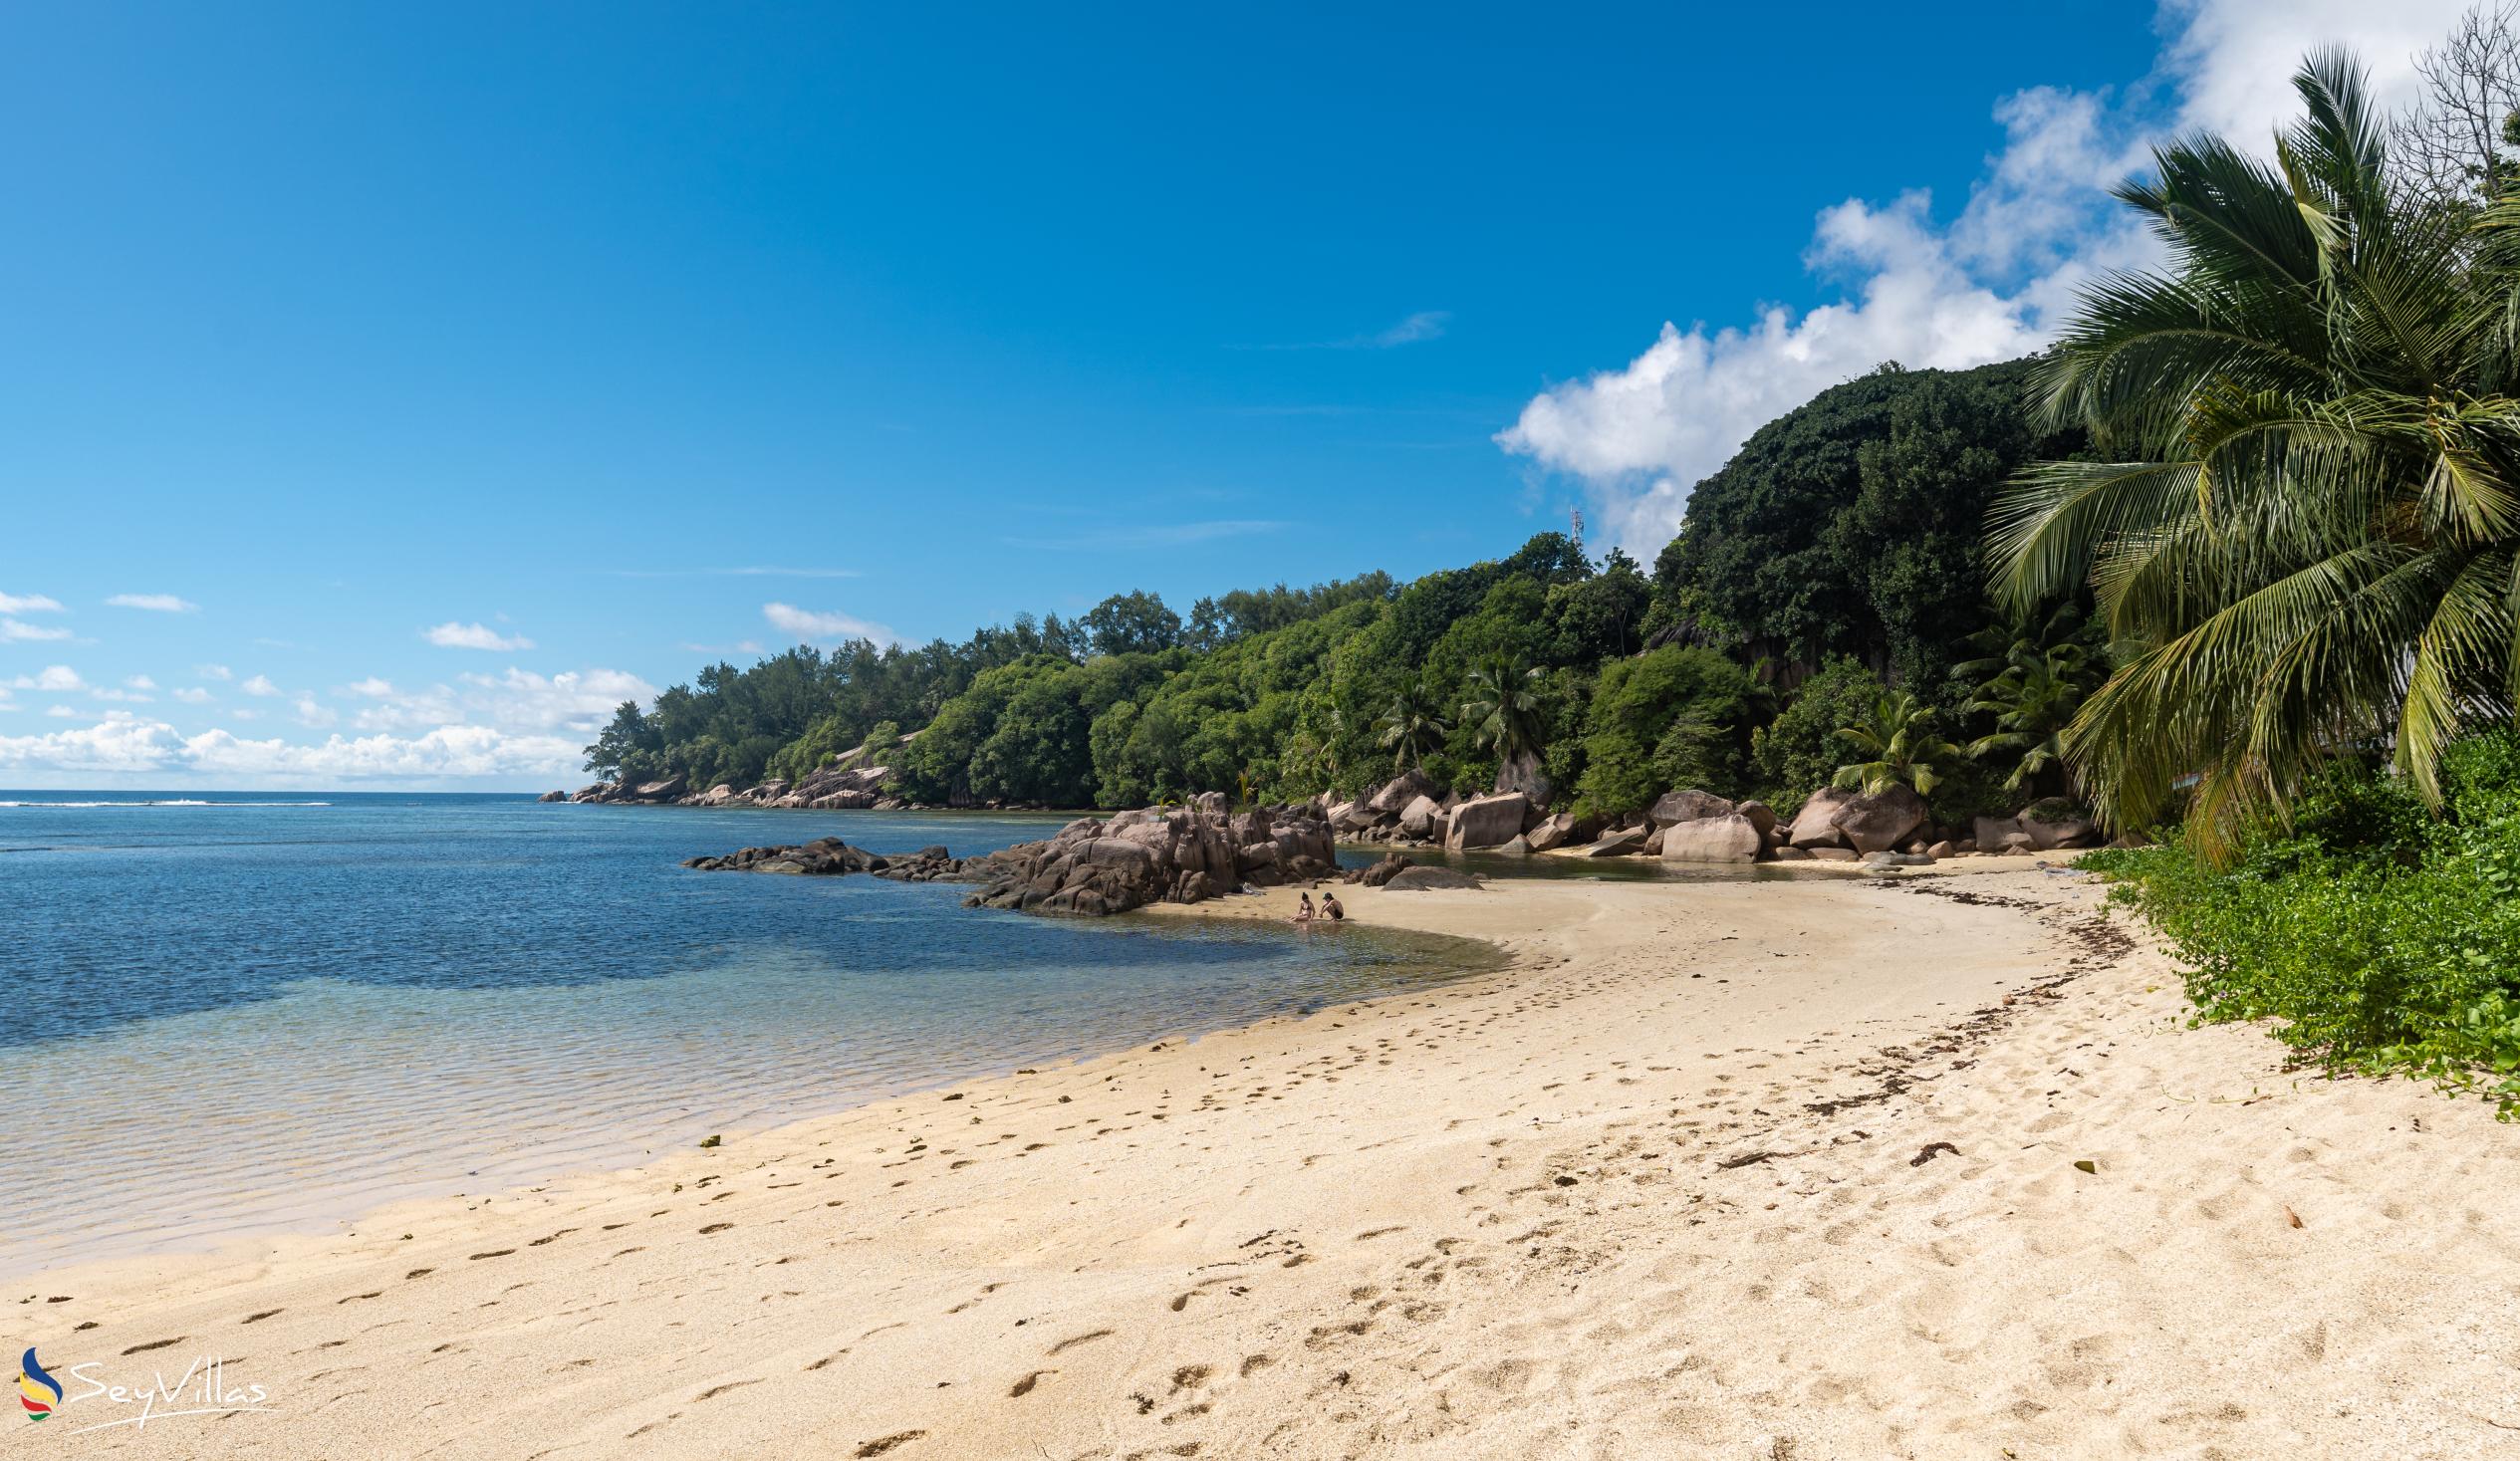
x=237, y=1013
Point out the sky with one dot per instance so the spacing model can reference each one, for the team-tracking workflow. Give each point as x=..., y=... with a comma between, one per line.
x=387, y=393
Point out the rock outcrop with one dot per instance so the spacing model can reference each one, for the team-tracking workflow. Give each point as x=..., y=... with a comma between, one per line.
x=1487, y=822
x=1430, y=880
x=830, y=857
x=1686, y=805
x=1395, y=795
x=1094, y=865
x=1730, y=837
x=1816, y=824
x=1878, y=821
x=553, y=796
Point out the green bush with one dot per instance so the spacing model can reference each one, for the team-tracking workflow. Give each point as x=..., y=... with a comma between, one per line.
x=1662, y=721
x=2383, y=937
x=1797, y=753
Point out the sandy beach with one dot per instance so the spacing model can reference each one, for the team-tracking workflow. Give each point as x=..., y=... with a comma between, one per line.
x=1826, y=1167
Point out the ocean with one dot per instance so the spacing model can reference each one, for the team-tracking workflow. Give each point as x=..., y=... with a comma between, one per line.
x=237, y=1013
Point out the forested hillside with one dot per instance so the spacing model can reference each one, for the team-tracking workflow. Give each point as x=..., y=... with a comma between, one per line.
x=1837, y=554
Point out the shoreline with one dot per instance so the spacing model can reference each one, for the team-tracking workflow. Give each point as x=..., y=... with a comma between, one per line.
x=1692, y=1123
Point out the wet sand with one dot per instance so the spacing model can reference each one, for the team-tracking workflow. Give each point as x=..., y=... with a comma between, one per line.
x=1777, y=1171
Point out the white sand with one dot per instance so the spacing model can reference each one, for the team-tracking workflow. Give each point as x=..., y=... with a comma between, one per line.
x=1658, y=1192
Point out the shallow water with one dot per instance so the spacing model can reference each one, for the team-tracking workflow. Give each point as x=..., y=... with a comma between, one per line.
x=239, y=1014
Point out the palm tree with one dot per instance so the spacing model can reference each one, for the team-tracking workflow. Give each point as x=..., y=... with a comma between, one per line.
x=1503, y=712
x=2308, y=524
x=1414, y=724
x=1900, y=746
x=2032, y=687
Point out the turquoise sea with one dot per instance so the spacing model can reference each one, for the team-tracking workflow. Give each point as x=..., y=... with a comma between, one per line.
x=231, y=1013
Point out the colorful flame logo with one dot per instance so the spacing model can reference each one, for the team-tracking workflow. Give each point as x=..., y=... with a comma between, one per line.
x=38, y=1392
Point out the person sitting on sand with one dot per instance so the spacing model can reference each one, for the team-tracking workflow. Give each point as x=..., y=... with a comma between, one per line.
x=1330, y=907
x=1304, y=907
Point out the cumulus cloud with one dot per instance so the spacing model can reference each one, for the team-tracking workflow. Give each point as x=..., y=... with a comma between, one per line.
x=193, y=695
x=154, y=602
x=29, y=603
x=18, y=630
x=1991, y=282
x=214, y=672
x=59, y=678
x=453, y=636
x=260, y=685
x=808, y=623
x=123, y=743
x=312, y=712
x=572, y=702
x=372, y=687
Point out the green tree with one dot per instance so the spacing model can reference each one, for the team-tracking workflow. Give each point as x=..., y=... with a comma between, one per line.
x=1504, y=713
x=1799, y=751
x=1898, y=743
x=1414, y=727
x=2308, y=521
x=1132, y=623
x=1855, y=524
x=2032, y=688
x=1672, y=717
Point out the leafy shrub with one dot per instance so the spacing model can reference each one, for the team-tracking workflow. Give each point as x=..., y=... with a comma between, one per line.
x=1797, y=753
x=1662, y=721
x=2384, y=939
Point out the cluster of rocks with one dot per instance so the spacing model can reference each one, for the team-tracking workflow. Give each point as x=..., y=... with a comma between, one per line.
x=841, y=787
x=1181, y=855
x=830, y=857
x=1890, y=828
x=1396, y=872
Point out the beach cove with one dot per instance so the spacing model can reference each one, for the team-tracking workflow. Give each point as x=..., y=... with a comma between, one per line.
x=1788, y=1169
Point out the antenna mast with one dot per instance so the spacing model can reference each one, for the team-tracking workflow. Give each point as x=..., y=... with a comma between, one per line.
x=1576, y=514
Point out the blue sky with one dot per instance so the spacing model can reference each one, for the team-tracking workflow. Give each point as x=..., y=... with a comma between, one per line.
x=448, y=372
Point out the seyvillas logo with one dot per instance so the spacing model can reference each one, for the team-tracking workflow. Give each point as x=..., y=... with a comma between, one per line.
x=38, y=1392
x=203, y=1388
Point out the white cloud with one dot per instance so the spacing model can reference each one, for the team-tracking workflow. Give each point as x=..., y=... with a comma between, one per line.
x=312, y=712
x=58, y=678
x=260, y=685
x=140, y=682
x=574, y=702
x=154, y=602
x=128, y=698
x=214, y=672
x=241, y=713
x=453, y=636
x=372, y=687
x=29, y=603
x=18, y=630
x=60, y=712
x=806, y=624
x=193, y=695
x=1990, y=284
x=123, y=743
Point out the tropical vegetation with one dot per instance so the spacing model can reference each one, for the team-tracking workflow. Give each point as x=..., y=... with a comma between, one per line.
x=2236, y=563
x=2301, y=523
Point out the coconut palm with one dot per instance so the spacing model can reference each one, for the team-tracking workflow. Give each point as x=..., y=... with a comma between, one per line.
x=1899, y=743
x=2308, y=521
x=1503, y=712
x=1414, y=724
x=2032, y=687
